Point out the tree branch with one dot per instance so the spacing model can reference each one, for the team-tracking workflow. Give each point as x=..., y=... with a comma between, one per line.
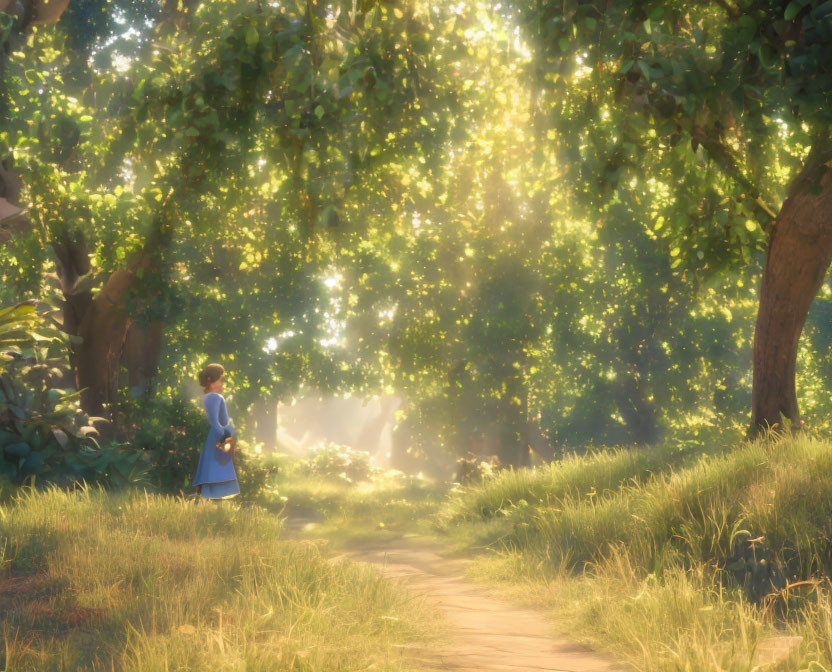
x=731, y=167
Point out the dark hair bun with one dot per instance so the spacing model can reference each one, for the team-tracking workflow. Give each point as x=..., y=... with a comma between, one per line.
x=210, y=374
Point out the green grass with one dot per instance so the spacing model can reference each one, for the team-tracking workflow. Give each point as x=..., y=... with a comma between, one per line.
x=134, y=582
x=655, y=564
x=656, y=555
x=387, y=507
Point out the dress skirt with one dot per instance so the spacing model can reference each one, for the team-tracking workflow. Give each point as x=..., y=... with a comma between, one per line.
x=219, y=490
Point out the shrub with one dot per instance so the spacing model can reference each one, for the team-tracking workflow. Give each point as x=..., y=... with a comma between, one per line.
x=169, y=431
x=44, y=435
x=332, y=460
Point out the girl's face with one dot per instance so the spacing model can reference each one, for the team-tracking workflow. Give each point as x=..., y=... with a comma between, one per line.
x=216, y=386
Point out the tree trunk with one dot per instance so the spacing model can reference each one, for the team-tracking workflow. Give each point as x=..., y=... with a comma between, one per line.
x=103, y=330
x=142, y=349
x=799, y=254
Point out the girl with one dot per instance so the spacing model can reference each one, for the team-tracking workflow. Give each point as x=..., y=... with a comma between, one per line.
x=215, y=472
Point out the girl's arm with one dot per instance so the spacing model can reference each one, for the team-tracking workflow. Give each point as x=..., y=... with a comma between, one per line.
x=225, y=421
x=212, y=408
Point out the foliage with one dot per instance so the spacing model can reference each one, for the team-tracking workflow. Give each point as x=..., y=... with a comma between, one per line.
x=43, y=433
x=169, y=432
x=393, y=215
x=331, y=460
x=476, y=468
x=254, y=473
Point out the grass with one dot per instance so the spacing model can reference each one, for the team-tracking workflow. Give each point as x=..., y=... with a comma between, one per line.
x=388, y=506
x=680, y=560
x=98, y=581
x=686, y=568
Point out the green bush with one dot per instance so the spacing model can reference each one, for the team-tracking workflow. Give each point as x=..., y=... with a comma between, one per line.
x=332, y=460
x=44, y=435
x=171, y=431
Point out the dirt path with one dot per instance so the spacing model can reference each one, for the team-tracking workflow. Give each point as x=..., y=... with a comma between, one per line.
x=489, y=633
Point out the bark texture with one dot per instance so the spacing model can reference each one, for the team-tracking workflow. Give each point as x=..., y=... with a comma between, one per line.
x=800, y=251
x=107, y=338
x=142, y=349
x=103, y=330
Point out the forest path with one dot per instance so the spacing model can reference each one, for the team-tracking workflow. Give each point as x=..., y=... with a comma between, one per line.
x=489, y=634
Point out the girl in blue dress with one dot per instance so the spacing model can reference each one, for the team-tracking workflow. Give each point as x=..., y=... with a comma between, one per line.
x=215, y=472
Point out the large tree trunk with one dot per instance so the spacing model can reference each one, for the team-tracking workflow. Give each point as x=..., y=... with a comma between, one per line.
x=142, y=349
x=103, y=330
x=799, y=254
x=108, y=338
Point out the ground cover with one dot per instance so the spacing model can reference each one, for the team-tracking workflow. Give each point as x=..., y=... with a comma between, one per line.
x=97, y=581
x=671, y=559
x=693, y=568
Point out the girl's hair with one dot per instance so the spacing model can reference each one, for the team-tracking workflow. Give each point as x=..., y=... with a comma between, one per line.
x=210, y=374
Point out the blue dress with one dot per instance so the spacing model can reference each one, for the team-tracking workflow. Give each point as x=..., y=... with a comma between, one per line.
x=215, y=472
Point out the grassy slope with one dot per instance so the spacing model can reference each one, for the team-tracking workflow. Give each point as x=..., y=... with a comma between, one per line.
x=640, y=566
x=92, y=581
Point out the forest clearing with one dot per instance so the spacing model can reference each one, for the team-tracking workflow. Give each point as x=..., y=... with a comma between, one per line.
x=404, y=335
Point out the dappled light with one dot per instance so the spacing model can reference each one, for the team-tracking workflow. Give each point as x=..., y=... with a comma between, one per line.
x=402, y=335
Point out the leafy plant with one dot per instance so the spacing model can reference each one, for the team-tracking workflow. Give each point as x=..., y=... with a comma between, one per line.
x=333, y=460
x=169, y=432
x=44, y=435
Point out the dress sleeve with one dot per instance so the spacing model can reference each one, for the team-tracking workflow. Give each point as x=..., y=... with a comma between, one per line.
x=225, y=421
x=212, y=408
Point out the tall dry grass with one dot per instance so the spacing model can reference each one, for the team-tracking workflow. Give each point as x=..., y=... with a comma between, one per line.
x=136, y=582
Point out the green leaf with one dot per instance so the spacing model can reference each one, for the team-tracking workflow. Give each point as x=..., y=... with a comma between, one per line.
x=320, y=111
x=792, y=10
x=252, y=36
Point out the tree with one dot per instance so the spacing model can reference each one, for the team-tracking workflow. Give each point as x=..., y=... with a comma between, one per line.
x=266, y=123
x=742, y=86
x=15, y=18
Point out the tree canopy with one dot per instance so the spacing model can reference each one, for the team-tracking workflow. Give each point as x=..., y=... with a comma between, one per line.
x=543, y=223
